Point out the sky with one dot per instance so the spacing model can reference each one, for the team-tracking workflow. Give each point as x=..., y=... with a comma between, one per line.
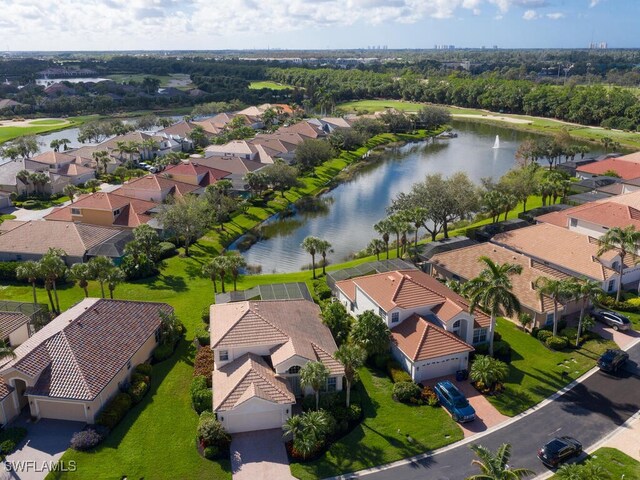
x=314, y=24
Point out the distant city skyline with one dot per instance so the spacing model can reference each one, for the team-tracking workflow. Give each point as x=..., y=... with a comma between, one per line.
x=71, y=25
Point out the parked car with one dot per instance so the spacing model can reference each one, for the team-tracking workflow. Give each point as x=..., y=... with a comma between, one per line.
x=454, y=401
x=612, y=360
x=615, y=320
x=559, y=450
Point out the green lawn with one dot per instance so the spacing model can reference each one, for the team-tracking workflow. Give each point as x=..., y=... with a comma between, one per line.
x=536, y=124
x=258, y=84
x=536, y=372
x=10, y=132
x=177, y=80
x=618, y=464
x=383, y=436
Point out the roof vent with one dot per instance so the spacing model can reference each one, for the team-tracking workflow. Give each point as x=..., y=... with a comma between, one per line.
x=391, y=278
x=95, y=310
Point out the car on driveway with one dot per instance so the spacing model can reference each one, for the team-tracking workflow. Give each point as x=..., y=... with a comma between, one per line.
x=454, y=401
x=559, y=450
x=612, y=360
x=615, y=320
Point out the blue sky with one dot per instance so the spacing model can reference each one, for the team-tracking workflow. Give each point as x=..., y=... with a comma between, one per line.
x=314, y=24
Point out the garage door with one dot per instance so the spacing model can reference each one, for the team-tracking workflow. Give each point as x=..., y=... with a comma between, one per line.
x=247, y=422
x=438, y=368
x=61, y=410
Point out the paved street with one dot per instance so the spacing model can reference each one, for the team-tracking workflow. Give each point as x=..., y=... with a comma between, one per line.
x=588, y=412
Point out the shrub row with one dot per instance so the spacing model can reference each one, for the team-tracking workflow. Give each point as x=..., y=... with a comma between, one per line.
x=162, y=352
x=203, y=363
x=115, y=410
x=397, y=373
x=201, y=394
x=8, y=270
x=405, y=391
x=625, y=306
x=203, y=336
x=166, y=250
x=212, y=437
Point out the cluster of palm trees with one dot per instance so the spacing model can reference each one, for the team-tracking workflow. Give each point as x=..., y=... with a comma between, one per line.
x=39, y=180
x=63, y=143
x=400, y=224
x=313, y=246
x=220, y=266
x=51, y=269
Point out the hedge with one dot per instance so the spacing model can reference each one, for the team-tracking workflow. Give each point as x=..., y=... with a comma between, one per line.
x=162, y=352
x=144, y=369
x=115, y=410
x=203, y=363
x=137, y=391
x=166, y=250
x=203, y=337
x=201, y=394
x=8, y=270
x=557, y=343
x=405, y=391
x=397, y=373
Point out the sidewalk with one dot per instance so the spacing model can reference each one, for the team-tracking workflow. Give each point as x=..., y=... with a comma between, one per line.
x=627, y=440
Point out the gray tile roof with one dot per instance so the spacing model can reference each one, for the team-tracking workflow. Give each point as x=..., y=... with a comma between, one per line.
x=11, y=321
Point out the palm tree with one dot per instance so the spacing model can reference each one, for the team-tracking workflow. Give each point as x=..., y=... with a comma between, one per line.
x=222, y=266
x=375, y=247
x=100, y=268
x=6, y=351
x=121, y=173
x=558, y=290
x=211, y=270
x=585, y=291
x=29, y=271
x=310, y=244
x=495, y=466
x=39, y=179
x=70, y=190
x=114, y=277
x=351, y=357
x=398, y=225
x=102, y=159
x=488, y=370
x=371, y=333
x=236, y=262
x=81, y=273
x=55, y=145
x=492, y=290
x=324, y=247
x=63, y=142
x=92, y=184
x=314, y=375
x=294, y=426
x=624, y=240
x=53, y=268
x=417, y=216
x=384, y=228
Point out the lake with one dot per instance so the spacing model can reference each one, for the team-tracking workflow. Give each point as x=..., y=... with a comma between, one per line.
x=355, y=206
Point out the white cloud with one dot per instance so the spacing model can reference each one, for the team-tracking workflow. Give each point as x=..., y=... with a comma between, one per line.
x=555, y=15
x=530, y=15
x=593, y=3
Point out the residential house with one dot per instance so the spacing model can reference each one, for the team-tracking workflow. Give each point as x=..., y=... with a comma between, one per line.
x=31, y=240
x=105, y=209
x=569, y=252
x=235, y=148
x=14, y=328
x=259, y=348
x=8, y=181
x=74, y=365
x=233, y=165
x=63, y=169
x=194, y=173
x=329, y=124
x=432, y=328
x=305, y=129
x=463, y=264
x=8, y=104
x=626, y=167
x=155, y=188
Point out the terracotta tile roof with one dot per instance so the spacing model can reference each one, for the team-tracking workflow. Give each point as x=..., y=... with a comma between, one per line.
x=420, y=339
x=9, y=225
x=625, y=169
x=293, y=327
x=248, y=377
x=73, y=170
x=11, y=321
x=632, y=199
x=607, y=213
x=181, y=129
x=53, y=158
x=78, y=353
x=304, y=129
x=464, y=263
x=36, y=236
x=112, y=143
x=274, y=144
x=196, y=169
x=632, y=157
x=156, y=183
x=409, y=289
x=241, y=147
x=4, y=389
x=231, y=164
x=560, y=247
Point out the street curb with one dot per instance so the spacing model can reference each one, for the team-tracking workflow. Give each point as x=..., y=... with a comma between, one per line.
x=473, y=438
x=600, y=443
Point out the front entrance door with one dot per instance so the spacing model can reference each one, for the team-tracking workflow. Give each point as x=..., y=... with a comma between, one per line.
x=294, y=380
x=21, y=386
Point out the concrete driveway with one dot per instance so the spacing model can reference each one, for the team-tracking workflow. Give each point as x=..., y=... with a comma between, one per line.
x=44, y=444
x=259, y=455
x=623, y=339
x=487, y=415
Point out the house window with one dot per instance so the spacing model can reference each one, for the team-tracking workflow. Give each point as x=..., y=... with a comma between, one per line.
x=75, y=211
x=549, y=320
x=294, y=370
x=479, y=335
x=574, y=222
x=382, y=313
x=395, y=317
x=116, y=212
x=611, y=285
x=223, y=355
x=331, y=384
x=615, y=265
x=129, y=365
x=456, y=327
